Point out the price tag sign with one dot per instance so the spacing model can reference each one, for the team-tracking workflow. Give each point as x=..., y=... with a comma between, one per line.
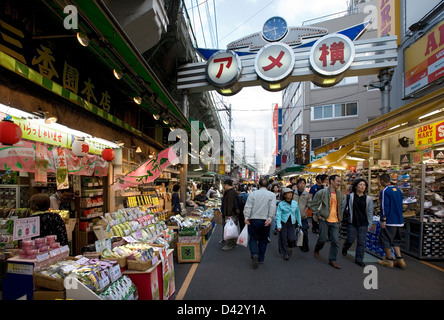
x=115, y=273
x=26, y=228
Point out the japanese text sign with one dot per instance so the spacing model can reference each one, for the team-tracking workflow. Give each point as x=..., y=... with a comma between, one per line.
x=274, y=62
x=332, y=55
x=223, y=69
x=302, y=149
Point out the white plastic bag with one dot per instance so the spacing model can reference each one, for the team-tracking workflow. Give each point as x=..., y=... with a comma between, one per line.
x=300, y=239
x=230, y=230
x=243, y=237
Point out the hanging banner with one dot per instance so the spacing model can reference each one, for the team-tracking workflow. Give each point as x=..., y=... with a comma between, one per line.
x=61, y=168
x=148, y=171
x=88, y=165
x=19, y=157
x=41, y=162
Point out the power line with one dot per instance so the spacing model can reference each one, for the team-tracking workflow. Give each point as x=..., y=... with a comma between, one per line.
x=247, y=20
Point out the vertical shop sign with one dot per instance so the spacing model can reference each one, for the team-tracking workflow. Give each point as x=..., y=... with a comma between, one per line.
x=302, y=149
x=389, y=22
x=61, y=168
x=41, y=162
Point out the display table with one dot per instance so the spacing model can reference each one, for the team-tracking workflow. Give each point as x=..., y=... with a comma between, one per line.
x=157, y=282
x=19, y=281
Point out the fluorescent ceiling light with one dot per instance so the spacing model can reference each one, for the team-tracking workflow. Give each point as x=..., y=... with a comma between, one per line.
x=355, y=158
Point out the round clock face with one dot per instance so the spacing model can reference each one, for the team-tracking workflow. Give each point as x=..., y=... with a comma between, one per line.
x=274, y=29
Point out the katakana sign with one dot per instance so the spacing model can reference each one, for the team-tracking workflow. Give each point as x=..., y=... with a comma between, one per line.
x=302, y=149
x=274, y=62
x=223, y=69
x=332, y=55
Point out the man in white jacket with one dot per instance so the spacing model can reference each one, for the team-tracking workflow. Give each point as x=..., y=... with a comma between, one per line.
x=259, y=212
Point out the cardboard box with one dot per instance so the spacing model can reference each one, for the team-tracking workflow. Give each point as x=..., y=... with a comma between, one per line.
x=43, y=294
x=189, y=252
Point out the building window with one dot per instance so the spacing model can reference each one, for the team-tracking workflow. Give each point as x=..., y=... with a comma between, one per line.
x=340, y=110
x=317, y=142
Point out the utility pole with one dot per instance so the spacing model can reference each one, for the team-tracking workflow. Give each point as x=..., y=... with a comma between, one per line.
x=384, y=85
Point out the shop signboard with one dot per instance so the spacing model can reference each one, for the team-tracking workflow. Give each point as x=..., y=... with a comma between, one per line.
x=405, y=158
x=429, y=134
x=424, y=60
x=223, y=70
x=330, y=57
x=31, y=40
x=302, y=149
x=389, y=20
x=274, y=63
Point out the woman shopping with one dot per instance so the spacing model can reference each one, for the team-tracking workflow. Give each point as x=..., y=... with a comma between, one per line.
x=358, y=214
x=288, y=218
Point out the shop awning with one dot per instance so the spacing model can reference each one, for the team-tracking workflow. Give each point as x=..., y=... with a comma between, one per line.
x=407, y=115
x=337, y=159
x=291, y=169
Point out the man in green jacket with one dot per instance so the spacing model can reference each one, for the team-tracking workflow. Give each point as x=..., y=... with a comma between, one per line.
x=327, y=206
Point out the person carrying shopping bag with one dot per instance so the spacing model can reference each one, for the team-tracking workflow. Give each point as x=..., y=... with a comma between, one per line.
x=303, y=198
x=288, y=218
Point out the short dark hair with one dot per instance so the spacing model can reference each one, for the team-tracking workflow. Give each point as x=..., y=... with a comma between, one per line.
x=301, y=180
x=39, y=202
x=176, y=188
x=263, y=183
x=385, y=177
x=332, y=178
x=356, y=182
x=229, y=182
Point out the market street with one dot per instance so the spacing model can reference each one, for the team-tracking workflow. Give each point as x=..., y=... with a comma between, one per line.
x=229, y=275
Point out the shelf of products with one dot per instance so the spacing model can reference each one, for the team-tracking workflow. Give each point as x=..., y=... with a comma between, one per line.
x=422, y=186
x=90, y=206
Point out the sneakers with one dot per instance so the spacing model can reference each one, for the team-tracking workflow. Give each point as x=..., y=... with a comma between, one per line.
x=405, y=185
x=386, y=263
x=255, y=262
x=409, y=200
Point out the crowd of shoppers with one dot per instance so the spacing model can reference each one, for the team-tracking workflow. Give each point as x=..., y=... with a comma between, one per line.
x=286, y=211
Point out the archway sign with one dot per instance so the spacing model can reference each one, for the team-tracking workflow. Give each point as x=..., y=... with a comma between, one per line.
x=278, y=55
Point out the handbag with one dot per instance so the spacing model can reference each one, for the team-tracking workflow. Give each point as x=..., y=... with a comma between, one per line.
x=300, y=240
x=243, y=237
x=346, y=212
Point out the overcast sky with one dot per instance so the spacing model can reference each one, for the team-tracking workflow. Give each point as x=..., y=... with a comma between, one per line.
x=233, y=19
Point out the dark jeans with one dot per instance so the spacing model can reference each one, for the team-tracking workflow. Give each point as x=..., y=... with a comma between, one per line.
x=328, y=231
x=360, y=234
x=287, y=237
x=258, y=233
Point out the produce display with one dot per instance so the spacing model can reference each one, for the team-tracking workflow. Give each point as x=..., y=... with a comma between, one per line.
x=102, y=277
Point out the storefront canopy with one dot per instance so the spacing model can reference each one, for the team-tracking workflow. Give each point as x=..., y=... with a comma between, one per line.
x=407, y=115
x=336, y=160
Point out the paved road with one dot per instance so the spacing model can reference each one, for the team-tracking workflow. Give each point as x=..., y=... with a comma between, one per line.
x=222, y=275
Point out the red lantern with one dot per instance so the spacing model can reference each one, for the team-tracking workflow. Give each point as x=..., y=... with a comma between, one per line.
x=80, y=148
x=10, y=133
x=108, y=154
